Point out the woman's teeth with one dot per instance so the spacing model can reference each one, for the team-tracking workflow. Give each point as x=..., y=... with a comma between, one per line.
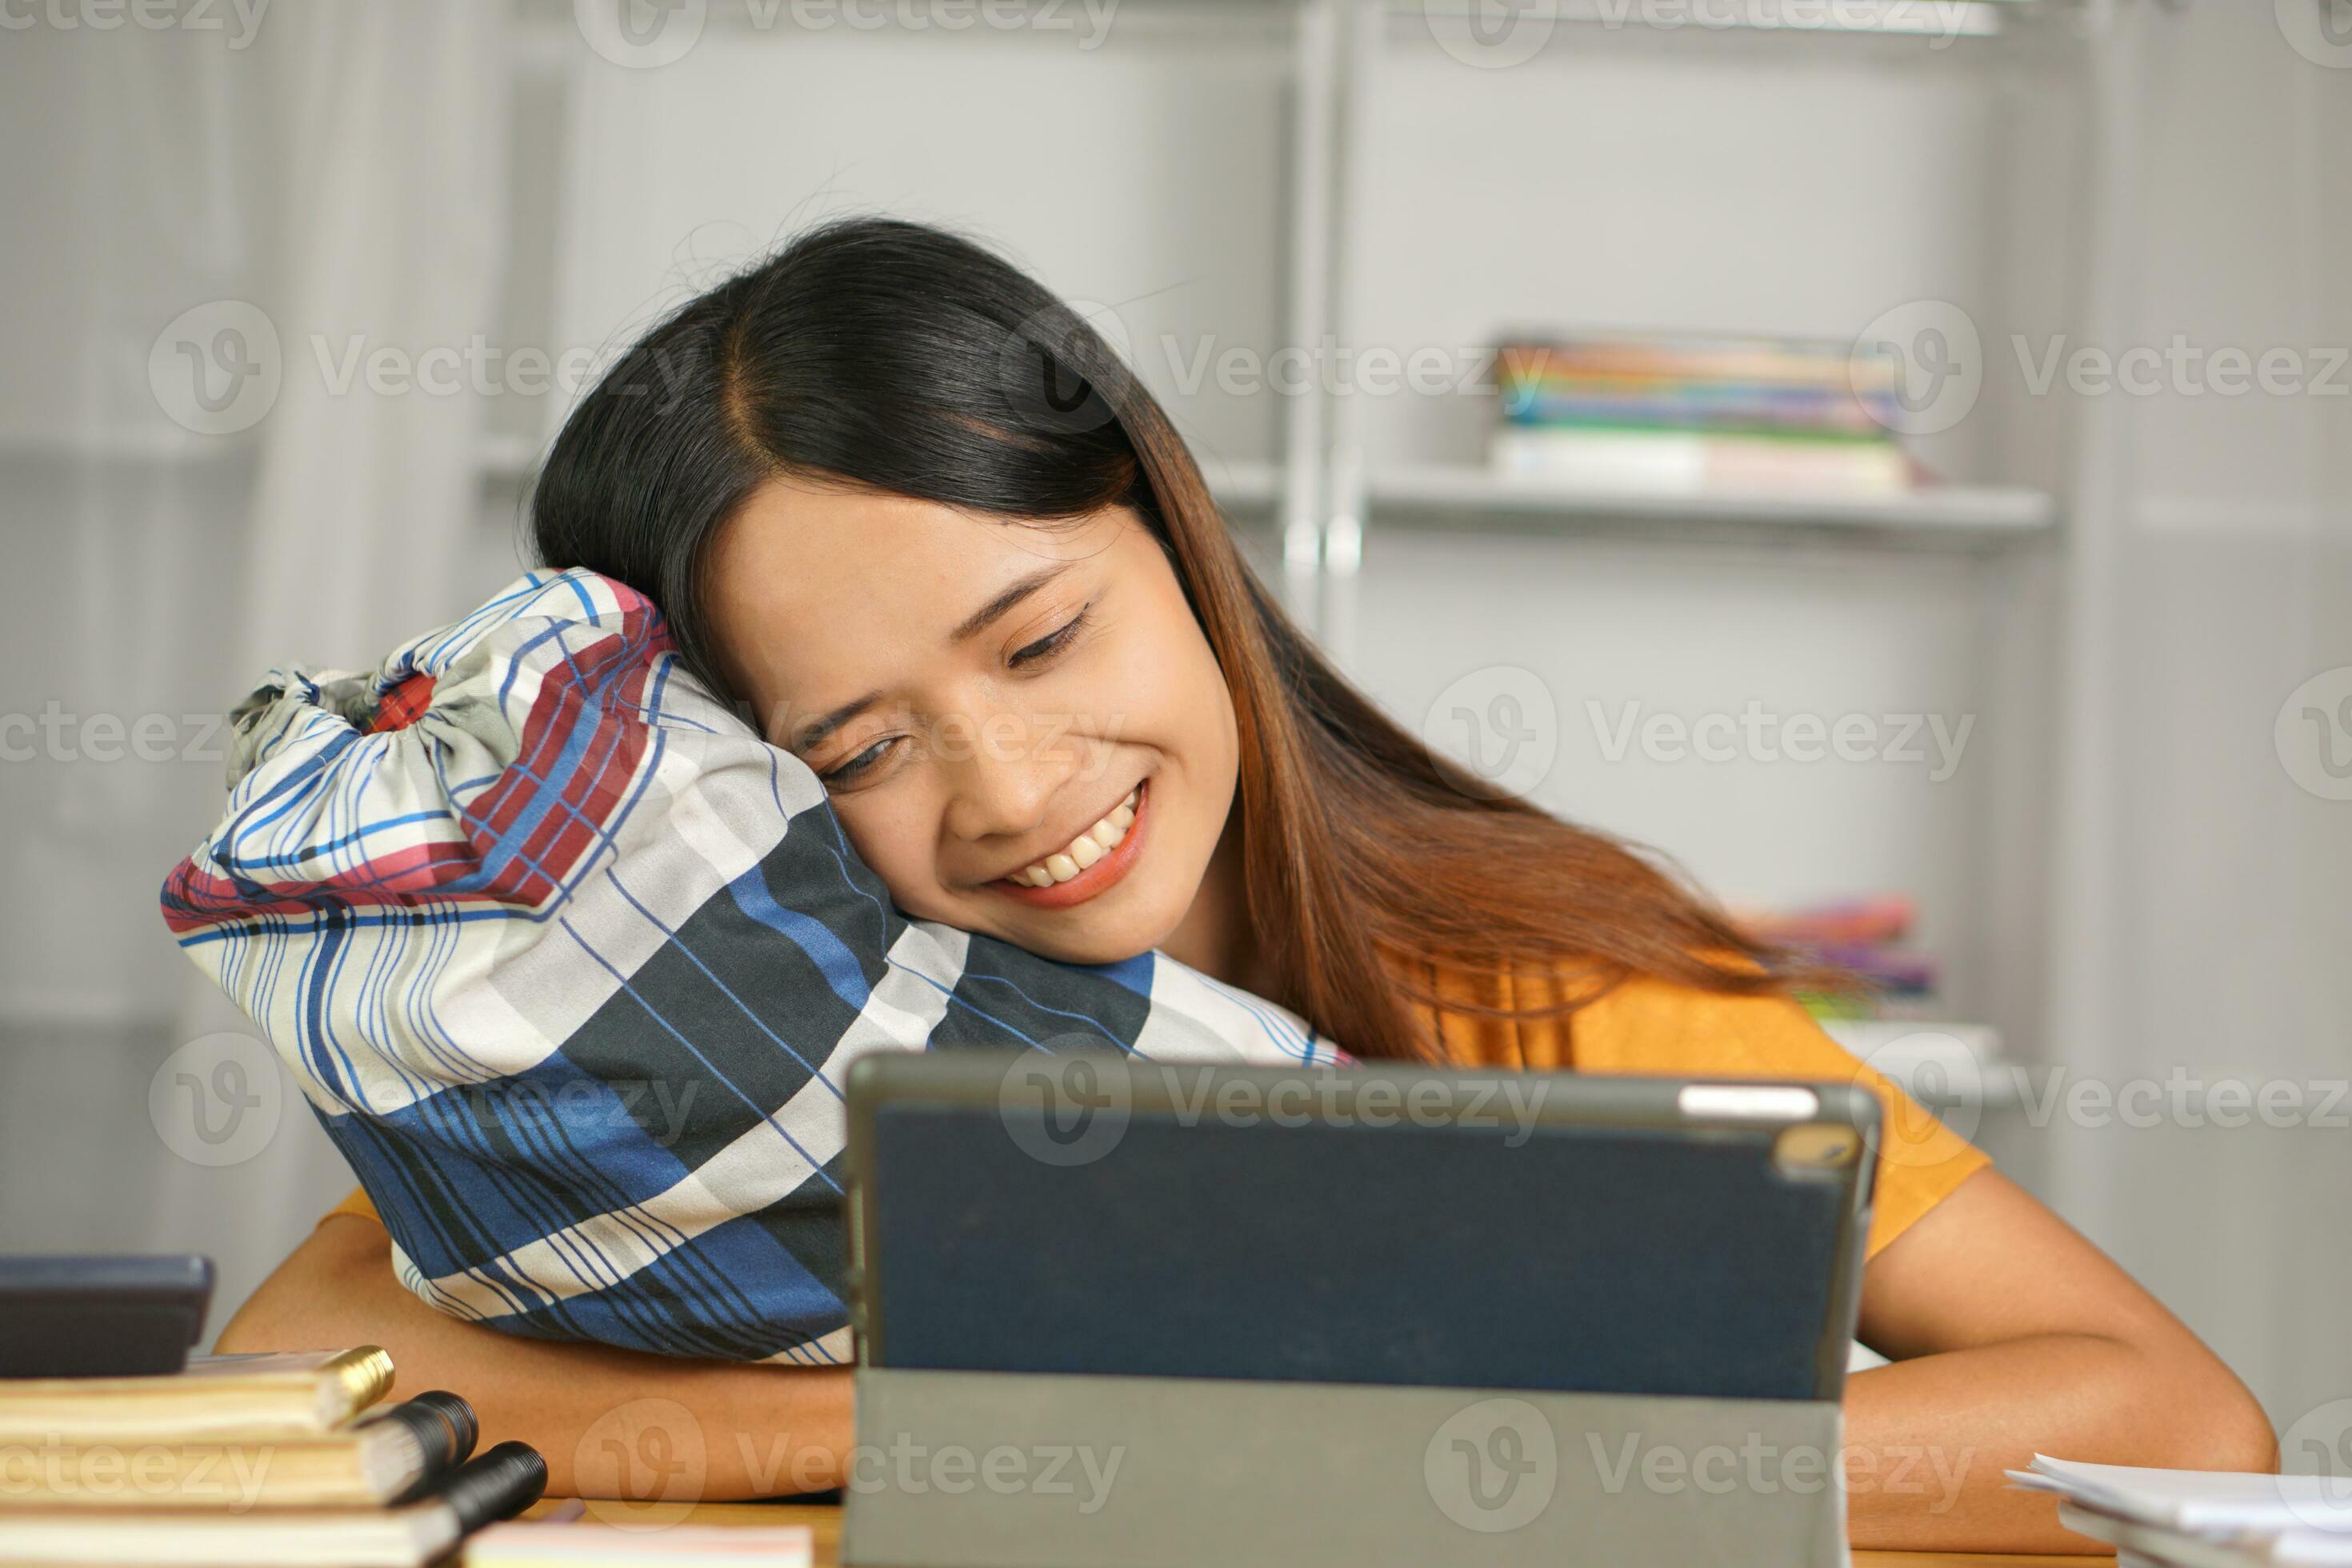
x=1085, y=849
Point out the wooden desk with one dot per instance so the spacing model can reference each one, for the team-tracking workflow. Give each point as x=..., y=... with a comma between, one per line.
x=825, y=1524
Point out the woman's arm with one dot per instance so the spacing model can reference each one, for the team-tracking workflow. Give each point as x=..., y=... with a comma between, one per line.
x=2026, y=1338
x=609, y=1422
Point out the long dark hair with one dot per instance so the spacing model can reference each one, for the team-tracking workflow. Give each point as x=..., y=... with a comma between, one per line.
x=904, y=359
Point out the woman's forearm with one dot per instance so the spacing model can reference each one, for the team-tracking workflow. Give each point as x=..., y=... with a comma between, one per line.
x=1927, y=1439
x=611, y=1423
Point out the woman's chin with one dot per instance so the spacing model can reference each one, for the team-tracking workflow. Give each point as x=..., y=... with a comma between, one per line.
x=1081, y=947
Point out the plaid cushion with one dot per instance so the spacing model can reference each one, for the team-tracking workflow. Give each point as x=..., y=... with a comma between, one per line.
x=571, y=965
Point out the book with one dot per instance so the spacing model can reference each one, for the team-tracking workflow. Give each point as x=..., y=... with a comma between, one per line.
x=1871, y=917
x=1733, y=385
x=387, y=1455
x=1687, y=462
x=499, y=1485
x=243, y=1397
x=543, y=1544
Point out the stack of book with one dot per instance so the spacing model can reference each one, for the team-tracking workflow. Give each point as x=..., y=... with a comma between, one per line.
x=248, y=1460
x=1686, y=416
x=1868, y=937
x=2198, y=1519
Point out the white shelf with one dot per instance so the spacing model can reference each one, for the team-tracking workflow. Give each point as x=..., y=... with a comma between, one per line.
x=1945, y=19
x=128, y=443
x=1461, y=494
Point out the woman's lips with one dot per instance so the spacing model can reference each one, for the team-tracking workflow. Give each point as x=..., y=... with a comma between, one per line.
x=1103, y=874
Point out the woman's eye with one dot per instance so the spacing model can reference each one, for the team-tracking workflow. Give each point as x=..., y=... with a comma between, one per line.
x=1053, y=642
x=857, y=766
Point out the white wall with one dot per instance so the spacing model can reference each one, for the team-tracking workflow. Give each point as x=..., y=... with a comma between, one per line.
x=1793, y=184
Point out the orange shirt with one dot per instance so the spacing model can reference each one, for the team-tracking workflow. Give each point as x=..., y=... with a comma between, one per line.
x=1657, y=1027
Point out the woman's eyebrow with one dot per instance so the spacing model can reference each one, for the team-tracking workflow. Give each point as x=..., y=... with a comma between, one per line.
x=979, y=620
x=809, y=735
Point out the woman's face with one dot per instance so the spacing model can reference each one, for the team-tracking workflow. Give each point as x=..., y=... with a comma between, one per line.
x=1023, y=729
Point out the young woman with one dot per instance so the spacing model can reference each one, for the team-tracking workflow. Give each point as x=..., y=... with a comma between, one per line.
x=899, y=502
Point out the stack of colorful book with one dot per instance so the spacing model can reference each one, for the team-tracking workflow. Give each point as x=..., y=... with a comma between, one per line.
x=1689, y=416
x=1868, y=937
x=248, y=1460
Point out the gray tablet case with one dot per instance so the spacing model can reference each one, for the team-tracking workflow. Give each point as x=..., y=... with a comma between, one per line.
x=1112, y=1311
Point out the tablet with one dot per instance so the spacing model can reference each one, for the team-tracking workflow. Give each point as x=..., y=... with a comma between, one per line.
x=1093, y=1213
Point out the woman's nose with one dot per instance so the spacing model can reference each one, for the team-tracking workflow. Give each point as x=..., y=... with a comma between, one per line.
x=1005, y=780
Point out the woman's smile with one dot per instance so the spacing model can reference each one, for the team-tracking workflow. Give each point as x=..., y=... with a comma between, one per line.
x=1090, y=863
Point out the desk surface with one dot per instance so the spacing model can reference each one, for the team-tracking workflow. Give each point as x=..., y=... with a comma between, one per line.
x=826, y=1522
